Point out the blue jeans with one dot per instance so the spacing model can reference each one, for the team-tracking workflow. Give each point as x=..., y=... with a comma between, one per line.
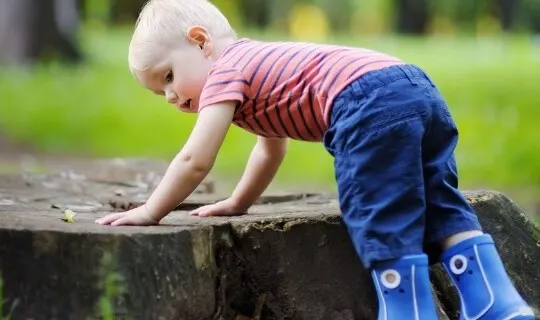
x=393, y=139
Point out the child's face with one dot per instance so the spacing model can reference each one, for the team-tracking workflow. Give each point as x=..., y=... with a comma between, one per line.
x=180, y=74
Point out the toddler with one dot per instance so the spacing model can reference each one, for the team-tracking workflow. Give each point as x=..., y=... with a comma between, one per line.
x=384, y=122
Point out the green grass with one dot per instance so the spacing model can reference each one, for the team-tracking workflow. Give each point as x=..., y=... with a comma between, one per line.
x=4, y=304
x=491, y=85
x=111, y=286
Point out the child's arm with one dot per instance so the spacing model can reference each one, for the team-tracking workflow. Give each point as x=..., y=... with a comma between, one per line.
x=263, y=163
x=262, y=166
x=186, y=171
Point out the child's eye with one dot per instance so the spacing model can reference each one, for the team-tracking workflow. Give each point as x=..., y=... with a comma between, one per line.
x=169, y=77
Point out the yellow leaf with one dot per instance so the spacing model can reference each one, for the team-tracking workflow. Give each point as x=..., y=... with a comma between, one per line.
x=69, y=216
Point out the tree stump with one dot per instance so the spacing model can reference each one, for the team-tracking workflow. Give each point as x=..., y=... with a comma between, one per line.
x=289, y=258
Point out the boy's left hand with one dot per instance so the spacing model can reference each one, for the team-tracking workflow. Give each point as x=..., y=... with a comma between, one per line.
x=222, y=208
x=135, y=217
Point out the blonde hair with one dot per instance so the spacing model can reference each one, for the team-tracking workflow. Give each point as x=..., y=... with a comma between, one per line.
x=162, y=25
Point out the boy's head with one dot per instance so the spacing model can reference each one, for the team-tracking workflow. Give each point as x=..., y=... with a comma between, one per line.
x=174, y=45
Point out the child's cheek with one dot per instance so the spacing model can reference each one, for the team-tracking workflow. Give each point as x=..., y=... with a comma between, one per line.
x=194, y=88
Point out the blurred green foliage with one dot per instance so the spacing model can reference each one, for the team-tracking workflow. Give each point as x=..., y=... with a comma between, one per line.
x=489, y=78
x=356, y=16
x=491, y=85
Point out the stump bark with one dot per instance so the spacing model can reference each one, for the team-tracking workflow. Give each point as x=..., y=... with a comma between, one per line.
x=290, y=258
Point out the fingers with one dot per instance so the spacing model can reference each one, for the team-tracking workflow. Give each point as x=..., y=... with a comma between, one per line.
x=206, y=211
x=135, y=217
x=197, y=211
x=110, y=218
x=125, y=221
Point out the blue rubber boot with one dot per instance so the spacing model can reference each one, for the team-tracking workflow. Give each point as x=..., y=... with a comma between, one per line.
x=404, y=289
x=485, y=290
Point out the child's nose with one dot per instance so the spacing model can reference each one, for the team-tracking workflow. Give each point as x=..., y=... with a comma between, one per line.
x=171, y=96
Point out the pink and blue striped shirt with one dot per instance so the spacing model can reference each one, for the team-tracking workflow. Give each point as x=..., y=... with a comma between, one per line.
x=286, y=89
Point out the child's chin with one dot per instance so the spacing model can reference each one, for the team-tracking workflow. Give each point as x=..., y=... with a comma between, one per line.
x=186, y=110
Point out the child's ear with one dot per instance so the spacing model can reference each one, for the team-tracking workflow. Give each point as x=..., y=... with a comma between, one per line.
x=199, y=36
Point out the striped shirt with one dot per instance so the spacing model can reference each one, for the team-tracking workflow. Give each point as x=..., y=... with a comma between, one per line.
x=286, y=89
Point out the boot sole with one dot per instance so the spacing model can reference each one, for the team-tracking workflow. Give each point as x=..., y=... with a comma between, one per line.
x=526, y=314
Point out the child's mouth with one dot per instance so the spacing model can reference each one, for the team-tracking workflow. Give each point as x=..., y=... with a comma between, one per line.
x=187, y=104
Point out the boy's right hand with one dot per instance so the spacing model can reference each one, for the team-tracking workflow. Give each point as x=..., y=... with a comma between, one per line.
x=227, y=207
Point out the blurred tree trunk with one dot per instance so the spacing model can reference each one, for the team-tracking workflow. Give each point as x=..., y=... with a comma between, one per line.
x=29, y=29
x=255, y=13
x=412, y=16
x=530, y=15
x=508, y=13
x=81, y=9
x=121, y=11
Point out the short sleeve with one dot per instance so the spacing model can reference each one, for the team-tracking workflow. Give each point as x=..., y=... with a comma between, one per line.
x=224, y=85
